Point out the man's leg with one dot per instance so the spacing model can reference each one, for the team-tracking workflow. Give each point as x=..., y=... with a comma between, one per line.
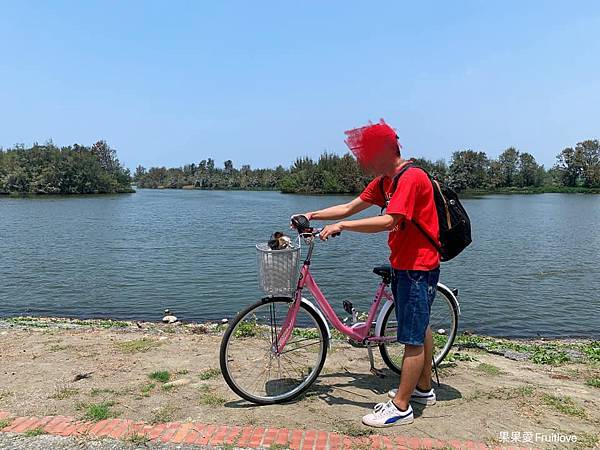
x=425, y=379
x=412, y=369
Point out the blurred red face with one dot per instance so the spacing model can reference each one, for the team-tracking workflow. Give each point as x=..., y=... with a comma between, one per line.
x=381, y=162
x=374, y=146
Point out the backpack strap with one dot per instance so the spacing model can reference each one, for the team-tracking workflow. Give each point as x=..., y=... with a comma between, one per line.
x=394, y=185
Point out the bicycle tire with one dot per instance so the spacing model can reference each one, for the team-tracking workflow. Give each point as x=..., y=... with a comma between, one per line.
x=438, y=358
x=262, y=400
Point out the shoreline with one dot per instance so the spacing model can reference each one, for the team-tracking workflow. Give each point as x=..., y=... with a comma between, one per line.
x=109, y=322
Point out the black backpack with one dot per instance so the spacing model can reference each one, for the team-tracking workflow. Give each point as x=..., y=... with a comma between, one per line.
x=454, y=222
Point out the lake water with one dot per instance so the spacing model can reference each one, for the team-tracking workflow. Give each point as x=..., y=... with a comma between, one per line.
x=533, y=269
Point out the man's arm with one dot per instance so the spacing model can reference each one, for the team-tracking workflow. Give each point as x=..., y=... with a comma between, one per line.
x=368, y=225
x=339, y=211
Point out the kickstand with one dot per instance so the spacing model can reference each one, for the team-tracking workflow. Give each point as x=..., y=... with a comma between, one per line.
x=436, y=372
x=377, y=372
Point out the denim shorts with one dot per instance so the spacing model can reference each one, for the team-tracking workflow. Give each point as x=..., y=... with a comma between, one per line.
x=414, y=291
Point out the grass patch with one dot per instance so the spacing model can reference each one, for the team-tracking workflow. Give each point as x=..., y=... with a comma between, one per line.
x=4, y=423
x=511, y=393
x=456, y=356
x=96, y=411
x=96, y=392
x=352, y=429
x=592, y=351
x=34, y=432
x=489, y=369
x=565, y=405
x=64, y=393
x=137, y=345
x=137, y=439
x=587, y=440
x=27, y=321
x=593, y=382
x=209, y=374
x=57, y=348
x=146, y=389
x=246, y=329
x=306, y=333
x=211, y=399
x=163, y=415
x=161, y=375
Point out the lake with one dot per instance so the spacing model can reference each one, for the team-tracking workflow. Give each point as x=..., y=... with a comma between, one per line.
x=533, y=269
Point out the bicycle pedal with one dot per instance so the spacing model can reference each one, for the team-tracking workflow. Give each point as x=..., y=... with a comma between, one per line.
x=348, y=306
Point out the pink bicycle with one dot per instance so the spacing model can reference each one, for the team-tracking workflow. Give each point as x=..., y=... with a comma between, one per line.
x=275, y=349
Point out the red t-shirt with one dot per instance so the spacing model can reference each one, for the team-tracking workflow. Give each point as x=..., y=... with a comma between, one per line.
x=413, y=199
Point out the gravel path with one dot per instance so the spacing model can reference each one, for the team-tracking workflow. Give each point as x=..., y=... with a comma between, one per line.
x=12, y=441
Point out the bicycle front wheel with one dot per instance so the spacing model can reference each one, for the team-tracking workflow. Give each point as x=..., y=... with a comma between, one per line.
x=253, y=368
x=443, y=321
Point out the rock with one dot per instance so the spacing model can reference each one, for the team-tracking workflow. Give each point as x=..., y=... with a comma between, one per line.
x=82, y=376
x=224, y=321
x=180, y=382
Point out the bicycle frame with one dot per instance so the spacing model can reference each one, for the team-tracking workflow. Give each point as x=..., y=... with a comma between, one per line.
x=359, y=333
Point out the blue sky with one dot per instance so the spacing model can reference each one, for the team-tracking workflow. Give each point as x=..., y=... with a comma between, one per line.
x=167, y=83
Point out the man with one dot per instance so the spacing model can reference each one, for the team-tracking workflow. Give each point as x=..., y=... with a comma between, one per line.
x=414, y=260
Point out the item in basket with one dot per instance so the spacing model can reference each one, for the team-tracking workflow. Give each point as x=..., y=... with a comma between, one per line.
x=279, y=241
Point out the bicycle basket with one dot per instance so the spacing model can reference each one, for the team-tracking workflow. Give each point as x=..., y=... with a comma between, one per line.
x=277, y=269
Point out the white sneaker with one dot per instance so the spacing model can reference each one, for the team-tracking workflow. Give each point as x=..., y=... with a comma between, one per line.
x=387, y=415
x=424, y=398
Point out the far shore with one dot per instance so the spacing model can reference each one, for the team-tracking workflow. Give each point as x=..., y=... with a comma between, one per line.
x=489, y=386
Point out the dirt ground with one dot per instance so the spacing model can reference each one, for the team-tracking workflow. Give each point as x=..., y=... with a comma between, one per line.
x=482, y=395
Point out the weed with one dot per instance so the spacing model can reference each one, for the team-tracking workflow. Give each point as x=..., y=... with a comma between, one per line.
x=456, y=356
x=212, y=399
x=57, y=348
x=162, y=375
x=209, y=374
x=565, y=405
x=489, y=369
x=137, y=345
x=34, y=432
x=4, y=423
x=306, y=333
x=594, y=382
x=182, y=372
x=64, y=393
x=163, y=414
x=137, y=439
x=592, y=351
x=146, y=389
x=349, y=428
x=96, y=411
x=96, y=392
x=246, y=329
x=587, y=440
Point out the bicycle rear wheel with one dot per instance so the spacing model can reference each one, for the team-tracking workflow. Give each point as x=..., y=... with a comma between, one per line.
x=443, y=321
x=252, y=367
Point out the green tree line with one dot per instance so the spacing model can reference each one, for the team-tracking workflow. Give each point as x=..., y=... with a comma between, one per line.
x=577, y=168
x=48, y=169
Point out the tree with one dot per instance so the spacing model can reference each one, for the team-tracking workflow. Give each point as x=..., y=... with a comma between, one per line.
x=468, y=170
x=508, y=161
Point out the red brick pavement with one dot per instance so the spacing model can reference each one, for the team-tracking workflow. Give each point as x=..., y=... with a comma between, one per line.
x=242, y=437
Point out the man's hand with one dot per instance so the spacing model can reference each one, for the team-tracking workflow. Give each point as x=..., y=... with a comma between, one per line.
x=330, y=230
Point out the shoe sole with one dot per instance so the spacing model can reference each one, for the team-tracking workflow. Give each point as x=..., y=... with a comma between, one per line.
x=387, y=425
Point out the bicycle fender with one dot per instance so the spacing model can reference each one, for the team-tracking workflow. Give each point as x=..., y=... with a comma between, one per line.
x=309, y=304
x=382, y=312
x=449, y=292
